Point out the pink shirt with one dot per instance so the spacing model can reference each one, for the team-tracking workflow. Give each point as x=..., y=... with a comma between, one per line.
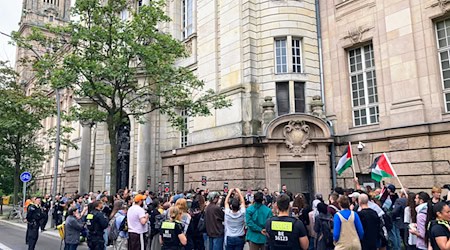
x=134, y=215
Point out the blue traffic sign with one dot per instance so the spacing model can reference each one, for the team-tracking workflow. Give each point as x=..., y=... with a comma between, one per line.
x=25, y=177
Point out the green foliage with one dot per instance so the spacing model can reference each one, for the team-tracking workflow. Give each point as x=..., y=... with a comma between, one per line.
x=20, y=123
x=127, y=67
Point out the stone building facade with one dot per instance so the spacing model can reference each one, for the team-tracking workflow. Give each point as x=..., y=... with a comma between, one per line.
x=251, y=51
x=386, y=85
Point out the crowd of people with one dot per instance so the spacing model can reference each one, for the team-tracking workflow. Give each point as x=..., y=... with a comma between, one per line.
x=359, y=218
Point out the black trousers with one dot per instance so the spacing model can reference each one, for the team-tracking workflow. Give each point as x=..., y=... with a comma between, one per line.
x=32, y=235
x=58, y=219
x=44, y=220
x=96, y=242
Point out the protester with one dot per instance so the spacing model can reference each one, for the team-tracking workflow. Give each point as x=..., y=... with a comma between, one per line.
x=370, y=222
x=185, y=216
x=214, y=218
x=333, y=206
x=195, y=232
x=283, y=231
x=323, y=227
x=255, y=218
x=121, y=220
x=73, y=228
x=137, y=219
x=348, y=230
x=234, y=220
x=419, y=229
x=440, y=228
x=410, y=219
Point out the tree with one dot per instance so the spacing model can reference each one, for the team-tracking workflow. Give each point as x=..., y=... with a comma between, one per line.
x=109, y=55
x=20, y=125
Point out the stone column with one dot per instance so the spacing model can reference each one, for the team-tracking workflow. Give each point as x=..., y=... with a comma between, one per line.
x=85, y=158
x=143, y=153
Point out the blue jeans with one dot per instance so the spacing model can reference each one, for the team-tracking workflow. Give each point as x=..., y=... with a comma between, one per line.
x=215, y=243
x=235, y=243
x=394, y=238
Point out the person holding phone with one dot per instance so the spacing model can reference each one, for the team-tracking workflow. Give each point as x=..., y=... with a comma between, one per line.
x=234, y=220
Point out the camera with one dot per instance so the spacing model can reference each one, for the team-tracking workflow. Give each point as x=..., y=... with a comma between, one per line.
x=361, y=146
x=446, y=186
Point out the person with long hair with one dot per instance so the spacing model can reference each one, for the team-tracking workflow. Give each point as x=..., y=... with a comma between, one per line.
x=185, y=218
x=348, y=230
x=439, y=229
x=410, y=220
x=419, y=229
x=172, y=236
x=195, y=236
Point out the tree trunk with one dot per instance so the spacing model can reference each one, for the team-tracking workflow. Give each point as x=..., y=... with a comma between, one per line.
x=16, y=180
x=112, y=133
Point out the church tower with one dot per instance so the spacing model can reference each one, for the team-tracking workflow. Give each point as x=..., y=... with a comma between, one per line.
x=38, y=13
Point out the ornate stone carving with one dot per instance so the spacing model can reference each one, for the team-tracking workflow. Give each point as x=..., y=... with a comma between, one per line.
x=296, y=134
x=355, y=35
x=442, y=4
x=188, y=46
x=317, y=107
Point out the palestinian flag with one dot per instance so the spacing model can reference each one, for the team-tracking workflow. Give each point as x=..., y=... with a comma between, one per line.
x=345, y=161
x=382, y=168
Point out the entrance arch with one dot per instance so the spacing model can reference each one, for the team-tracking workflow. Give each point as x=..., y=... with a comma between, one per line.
x=298, y=145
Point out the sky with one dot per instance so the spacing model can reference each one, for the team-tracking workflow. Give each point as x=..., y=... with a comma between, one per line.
x=10, y=11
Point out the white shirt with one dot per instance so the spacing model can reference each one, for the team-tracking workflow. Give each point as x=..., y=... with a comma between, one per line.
x=134, y=215
x=234, y=222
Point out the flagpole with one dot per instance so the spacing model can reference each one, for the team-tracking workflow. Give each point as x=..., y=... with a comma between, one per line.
x=351, y=153
x=395, y=174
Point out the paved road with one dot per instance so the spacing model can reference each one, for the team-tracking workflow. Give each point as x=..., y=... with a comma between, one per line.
x=13, y=237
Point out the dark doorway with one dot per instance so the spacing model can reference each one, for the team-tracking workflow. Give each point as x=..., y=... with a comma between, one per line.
x=123, y=155
x=298, y=177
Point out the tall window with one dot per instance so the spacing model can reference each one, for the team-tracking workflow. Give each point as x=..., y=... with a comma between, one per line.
x=290, y=97
x=288, y=47
x=184, y=131
x=443, y=36
x=188, y=16
x=363, y=85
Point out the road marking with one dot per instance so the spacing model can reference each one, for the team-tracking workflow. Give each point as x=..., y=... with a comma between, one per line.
x=3, y=247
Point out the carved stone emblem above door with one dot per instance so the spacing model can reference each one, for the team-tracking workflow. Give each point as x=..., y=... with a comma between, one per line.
x=296, y=135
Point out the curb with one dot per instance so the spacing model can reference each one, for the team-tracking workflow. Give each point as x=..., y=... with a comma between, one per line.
x=24, y=226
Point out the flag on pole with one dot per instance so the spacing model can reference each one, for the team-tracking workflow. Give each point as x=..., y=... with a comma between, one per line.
x=382, y=168
x=345, y=161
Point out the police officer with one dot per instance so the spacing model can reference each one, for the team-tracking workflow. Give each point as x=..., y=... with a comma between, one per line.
x=96, y=222
x=45, y=205
x=58, y=209
x=34, y=216
x=171, y=235
x=285, y=232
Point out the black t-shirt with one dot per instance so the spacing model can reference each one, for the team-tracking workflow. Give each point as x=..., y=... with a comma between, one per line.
x=284, y=233
x=371, y=225
x=169, y=232
x=438, y=229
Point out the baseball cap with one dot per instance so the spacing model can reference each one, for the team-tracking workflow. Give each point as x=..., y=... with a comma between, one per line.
x=139, y=197
x=354, y=195
x=391, y=187
x=213, y=195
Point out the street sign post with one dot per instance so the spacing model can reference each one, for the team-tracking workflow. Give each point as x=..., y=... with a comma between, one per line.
x=25, y=177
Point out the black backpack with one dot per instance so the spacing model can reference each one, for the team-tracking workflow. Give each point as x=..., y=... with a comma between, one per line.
x=159, y=219
x=326, y=231
x=124, y=225
x=201, y=226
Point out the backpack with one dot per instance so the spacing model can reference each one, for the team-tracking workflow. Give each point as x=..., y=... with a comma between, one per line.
x=326, y=232
x=201, y=226
x=113, y=232
x=159, y=219
x=124, y=225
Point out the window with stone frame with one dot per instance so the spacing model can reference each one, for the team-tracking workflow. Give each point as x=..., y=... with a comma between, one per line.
x=188, y=17
x=290, y=97
x=363, y=85
x=288, y=47
x=184, y=131
x=443, y=39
